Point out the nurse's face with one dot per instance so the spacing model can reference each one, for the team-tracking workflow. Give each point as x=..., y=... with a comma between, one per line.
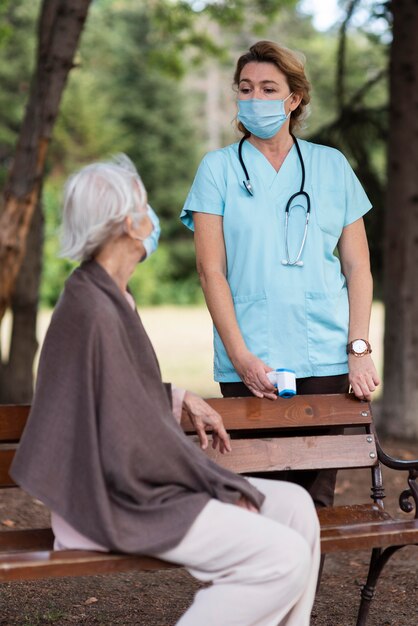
x=264, y=81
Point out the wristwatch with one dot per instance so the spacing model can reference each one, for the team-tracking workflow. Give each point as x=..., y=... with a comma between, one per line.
x=359, y=347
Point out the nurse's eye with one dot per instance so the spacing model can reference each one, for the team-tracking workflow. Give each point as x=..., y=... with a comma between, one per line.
x=244, y=90
x=269, y=90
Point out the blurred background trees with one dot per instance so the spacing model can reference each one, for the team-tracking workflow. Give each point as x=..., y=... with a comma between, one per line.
x=154, y=79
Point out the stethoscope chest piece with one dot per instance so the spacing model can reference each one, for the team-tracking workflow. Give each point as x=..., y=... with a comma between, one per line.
x=248, y=186
x=297, y=262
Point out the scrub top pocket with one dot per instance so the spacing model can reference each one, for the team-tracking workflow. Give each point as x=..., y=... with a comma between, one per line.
x=251, y=314
x=327, y=326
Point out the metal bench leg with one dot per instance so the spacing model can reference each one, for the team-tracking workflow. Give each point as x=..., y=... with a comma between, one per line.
x=321, y=568
x=377, y=562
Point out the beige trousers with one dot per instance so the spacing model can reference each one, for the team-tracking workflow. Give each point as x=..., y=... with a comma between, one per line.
x=263, y=567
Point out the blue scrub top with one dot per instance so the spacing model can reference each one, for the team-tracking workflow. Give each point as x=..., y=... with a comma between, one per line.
x=292, y=317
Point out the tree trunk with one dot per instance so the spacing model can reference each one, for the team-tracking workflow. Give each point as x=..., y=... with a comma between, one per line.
x=60, y=27
x=400, y=399
x=16, y=374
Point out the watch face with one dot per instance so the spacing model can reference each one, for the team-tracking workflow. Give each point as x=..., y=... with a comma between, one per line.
x=359, y=346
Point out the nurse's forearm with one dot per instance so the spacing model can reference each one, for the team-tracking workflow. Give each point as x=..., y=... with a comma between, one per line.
x=221, y=307
x=360, y=296
x=355, y=263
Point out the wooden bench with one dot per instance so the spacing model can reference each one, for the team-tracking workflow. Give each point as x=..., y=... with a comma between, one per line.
x=265, y=438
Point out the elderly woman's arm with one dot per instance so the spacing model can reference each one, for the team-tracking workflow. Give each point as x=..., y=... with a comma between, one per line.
x=354, y=256
x=211, y=266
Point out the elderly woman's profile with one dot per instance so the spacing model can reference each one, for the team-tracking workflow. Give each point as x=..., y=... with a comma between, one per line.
x=104, y=451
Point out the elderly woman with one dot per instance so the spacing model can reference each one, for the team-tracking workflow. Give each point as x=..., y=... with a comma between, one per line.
x=103, y=451
x=268, y=213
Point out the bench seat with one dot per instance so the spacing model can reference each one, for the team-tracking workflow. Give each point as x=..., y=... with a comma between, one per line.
x=29, y=553
x=266, y=437
x=33, y=565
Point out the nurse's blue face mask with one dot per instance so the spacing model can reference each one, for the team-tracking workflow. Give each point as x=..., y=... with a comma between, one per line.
x=262, y=118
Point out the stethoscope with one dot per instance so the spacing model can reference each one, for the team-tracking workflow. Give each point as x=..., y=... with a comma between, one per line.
x=248, y=186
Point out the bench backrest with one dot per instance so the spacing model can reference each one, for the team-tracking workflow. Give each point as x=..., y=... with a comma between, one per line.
x=267, y=436
x=271, y=436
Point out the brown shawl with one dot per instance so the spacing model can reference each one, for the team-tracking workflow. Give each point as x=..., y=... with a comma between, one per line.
x=101, y=447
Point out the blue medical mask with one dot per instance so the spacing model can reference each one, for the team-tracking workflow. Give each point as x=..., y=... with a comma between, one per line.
x=150, y=243
x=262, y=118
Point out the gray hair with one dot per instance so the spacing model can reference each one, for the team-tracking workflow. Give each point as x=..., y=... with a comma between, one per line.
x=97, y=199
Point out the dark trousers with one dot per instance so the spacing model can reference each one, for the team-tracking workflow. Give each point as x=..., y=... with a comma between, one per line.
x=320, y=484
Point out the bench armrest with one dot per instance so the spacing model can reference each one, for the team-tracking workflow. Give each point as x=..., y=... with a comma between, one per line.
x=408, y=500
x=390, y=461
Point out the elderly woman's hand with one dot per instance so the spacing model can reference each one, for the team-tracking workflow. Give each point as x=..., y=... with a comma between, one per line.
x=362, y=376
x=244, y=503
x=253, y=373
x=203, y=416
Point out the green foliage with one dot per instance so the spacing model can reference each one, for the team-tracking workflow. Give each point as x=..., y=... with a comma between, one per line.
x=154, y=114
x=85, y=129
x=235, y=13
x=17, y=48
x=159, y=280
x=5, y=26
x=55, y=270
x=129, y=103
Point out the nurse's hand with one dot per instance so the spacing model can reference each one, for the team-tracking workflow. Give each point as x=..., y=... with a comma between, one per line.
x=252, y=372
x=204, y=417
x=362, y=376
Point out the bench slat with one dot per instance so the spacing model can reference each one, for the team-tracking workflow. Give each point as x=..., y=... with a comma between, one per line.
x=243, y=413
x=42, y=538
x=12, y=421
x=352, y=514
x=369, y=535
x=298, y=453
x=257, y=455
x=27, y=539
x=297, y=412
x=46, y=564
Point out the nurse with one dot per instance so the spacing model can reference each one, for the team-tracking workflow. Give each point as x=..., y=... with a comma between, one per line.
x=288, y=284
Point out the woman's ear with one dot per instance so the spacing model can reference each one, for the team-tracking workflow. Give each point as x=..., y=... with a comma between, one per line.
x=128, y=226
x=295, y=101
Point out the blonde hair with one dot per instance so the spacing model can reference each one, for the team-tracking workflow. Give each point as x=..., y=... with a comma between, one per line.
x=290, y=64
